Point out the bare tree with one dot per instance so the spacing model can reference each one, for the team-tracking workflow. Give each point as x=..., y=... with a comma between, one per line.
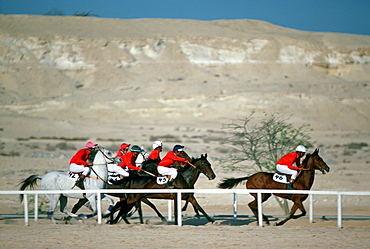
x=262, y=143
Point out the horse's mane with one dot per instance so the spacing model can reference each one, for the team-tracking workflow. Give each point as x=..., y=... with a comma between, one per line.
x=92, y=155
x=305, y=160
x=186, y=167
x=150, y=165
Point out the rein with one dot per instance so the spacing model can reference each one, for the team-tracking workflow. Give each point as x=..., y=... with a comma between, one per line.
x=192, y=165
x=97, y=176
x=303, y=169
x=111, y=161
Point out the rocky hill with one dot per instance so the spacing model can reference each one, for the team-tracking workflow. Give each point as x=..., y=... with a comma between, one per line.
x=59, y=74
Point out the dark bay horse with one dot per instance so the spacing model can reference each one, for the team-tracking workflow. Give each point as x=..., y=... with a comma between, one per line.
x=185, y=180
x=264, y=180
x=149, y=169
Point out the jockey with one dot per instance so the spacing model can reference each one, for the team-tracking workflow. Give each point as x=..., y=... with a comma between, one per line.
x=79, y=164
x=164, y=166
x=128, y=159
x=285, y=164
x=123, y=149
x=157, y=149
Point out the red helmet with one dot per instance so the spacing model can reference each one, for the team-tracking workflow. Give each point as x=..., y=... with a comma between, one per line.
x=124, y=146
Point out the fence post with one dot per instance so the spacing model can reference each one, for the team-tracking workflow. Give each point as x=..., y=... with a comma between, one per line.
x=169, y=218
x=259, y=200
x=339, y=216
x=36, y=212
x=179, y=213
x=98, y=205
x=311, y=207
x=25, y=200
x=235, y=206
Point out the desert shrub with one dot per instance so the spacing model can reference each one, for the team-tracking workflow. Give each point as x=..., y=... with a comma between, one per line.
x=261, y=143
x=356, y=146
x=166, y=138
x=65, y=146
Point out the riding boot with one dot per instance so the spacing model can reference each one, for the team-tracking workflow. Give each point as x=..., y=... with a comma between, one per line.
x=80, y=182
x=290, y=186
x=170, y=185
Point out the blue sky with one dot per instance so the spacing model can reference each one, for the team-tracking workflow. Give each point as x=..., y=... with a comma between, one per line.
x=343, y=16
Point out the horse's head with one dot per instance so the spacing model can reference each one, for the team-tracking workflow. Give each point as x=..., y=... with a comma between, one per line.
x=103, y=156
x=314, y=161
x=204, y=166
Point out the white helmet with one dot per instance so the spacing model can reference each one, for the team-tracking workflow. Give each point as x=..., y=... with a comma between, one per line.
x=157, y=144
x=301, y=148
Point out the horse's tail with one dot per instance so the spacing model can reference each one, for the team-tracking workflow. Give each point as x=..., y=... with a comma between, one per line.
x=231, y=182
x=29, y=182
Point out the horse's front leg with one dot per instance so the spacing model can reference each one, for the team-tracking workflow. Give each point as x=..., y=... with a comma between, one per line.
x=114, y=209
x=150, y=204
x=295, y=206
x=94, y=206
x=111, y=205
x=254, y=207
x=196, y=206
x=299, y=204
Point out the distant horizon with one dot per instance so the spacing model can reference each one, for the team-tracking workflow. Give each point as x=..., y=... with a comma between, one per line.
x=341, y=16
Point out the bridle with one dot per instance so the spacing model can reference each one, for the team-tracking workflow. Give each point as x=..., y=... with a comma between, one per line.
x=97, y=175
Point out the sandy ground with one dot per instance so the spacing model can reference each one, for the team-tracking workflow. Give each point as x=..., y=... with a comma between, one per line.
x=198, y=233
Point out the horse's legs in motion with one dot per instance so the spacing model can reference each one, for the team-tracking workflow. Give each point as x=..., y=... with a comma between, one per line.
x=196, y=205
x=140, y=211
x=63, y=208
x=195, y=209
x=124, y=208
x=254, y=206
x=79, y=204
x=53, y=202
x=297, y=204
x=85, y=202
x=150, y=204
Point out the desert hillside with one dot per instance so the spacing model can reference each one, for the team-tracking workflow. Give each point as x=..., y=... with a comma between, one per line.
x=177, y=80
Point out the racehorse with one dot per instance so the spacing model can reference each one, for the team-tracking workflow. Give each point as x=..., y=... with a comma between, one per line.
x=149, y=169
x=264, y=180
x=60, y=180
x=186, y=180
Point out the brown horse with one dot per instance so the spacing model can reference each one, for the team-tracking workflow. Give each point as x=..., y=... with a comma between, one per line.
x=264, y=180
x=185, y=180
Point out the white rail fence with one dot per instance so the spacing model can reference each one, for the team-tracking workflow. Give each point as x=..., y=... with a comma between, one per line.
x=235, y=192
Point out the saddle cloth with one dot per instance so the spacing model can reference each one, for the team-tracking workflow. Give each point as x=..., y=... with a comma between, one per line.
x=280, y=178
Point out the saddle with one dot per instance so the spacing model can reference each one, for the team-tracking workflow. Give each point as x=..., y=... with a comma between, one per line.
x=75, y=175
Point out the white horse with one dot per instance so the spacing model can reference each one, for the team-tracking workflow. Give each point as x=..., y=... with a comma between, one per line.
x=60, y=180
x=141, y=157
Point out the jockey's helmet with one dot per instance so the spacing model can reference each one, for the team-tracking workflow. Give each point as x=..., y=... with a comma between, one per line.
x=91, y=145
x=157, y=144
x=178, y=148
x=135, y=148
x=124, y=146
x=301, y=148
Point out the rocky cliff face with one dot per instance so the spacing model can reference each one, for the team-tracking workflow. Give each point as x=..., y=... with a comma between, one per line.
x=158, y=70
